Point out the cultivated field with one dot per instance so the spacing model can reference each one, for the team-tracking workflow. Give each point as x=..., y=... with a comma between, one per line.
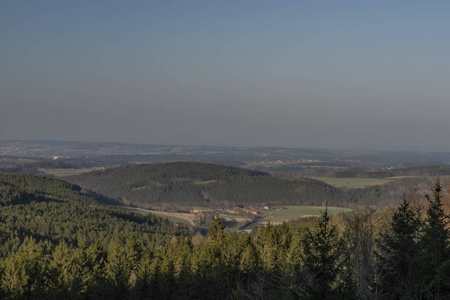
x=366, y=182
x=287, y=213
x=355, y=182
x=278, y=215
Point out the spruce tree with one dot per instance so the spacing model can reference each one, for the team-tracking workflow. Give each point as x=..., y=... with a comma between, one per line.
x=326, y=272
x=434, y=259
x=216, y=231
x=25, y=274
x=118, y=269
x=93, y=262
x=396, y=256
x=359, y=235
x=141, y=288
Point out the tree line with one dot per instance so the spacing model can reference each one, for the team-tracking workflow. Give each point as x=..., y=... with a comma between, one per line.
x=205, y=184
x=202, y=184
x=96, y=252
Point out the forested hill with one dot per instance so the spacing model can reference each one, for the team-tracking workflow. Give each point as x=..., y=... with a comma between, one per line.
x=51, y=210
x=21, y=189
x=203, y=184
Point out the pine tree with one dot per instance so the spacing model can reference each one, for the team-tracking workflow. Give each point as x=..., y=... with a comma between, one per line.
x=397, y=251
x=61, y=264
x=434, y=259
x=117, y=269
x=25, y=274
x=359, y=234
x=134, y=250
x=141, y=286
x=93, y=268
x=216, y=231
x=326, y=271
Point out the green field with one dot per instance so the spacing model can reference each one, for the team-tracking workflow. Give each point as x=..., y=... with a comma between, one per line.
x=296, y=212
x=355, y=182
x=365, y=182
x=278, y=215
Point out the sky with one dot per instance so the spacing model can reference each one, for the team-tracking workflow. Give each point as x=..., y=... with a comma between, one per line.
x=372, y=75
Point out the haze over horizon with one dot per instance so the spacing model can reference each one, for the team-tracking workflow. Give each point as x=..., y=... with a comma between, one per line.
x=300, y=74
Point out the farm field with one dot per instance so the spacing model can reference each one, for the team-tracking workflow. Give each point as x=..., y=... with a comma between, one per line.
x=279, y=215
x=355, y=182
x=287, y=213
x=365, y=182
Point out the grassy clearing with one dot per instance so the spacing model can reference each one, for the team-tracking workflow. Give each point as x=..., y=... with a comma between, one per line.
x=277, y=164
x=296, y=212
x=278, y=215
x=355, y=182
x=365, y=182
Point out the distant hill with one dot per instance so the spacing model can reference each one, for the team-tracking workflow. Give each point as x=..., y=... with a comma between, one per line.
x=204, y=184
x=51, y=210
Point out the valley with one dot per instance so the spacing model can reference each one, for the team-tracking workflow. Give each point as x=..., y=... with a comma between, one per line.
x=248, y=219
x=117, y=225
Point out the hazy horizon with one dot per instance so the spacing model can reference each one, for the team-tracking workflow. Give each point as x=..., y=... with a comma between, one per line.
x=296, y=74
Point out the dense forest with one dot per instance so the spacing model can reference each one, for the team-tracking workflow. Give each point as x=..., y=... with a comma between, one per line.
x=206, y=185
x=58, y=242
x=51, y=210
x=164, y=184
x=359, y=255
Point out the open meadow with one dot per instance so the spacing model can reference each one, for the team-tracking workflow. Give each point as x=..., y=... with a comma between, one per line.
x=278, y=215
x=355, y=182
x=287, y=213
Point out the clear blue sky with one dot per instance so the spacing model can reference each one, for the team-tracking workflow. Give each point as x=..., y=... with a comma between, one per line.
x=320, y=74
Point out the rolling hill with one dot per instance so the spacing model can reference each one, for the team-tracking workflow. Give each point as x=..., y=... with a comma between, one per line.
x=51, y=211
x=204, y=184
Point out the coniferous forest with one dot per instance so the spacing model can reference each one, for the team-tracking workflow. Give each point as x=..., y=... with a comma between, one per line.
x=205, y=184
x=59, y=241
x=224, y=150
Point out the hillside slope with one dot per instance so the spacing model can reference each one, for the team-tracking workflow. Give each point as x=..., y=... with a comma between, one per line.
x=203, y=184
x=51, y=210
